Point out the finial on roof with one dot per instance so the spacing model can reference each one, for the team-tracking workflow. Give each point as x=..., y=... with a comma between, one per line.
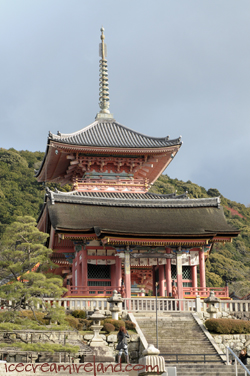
x=103, y=80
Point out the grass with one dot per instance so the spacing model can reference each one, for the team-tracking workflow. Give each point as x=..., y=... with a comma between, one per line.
x=41, y=347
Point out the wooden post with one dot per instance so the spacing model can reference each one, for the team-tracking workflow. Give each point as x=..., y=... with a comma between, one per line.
x=168, y=274
x=127, y=274
x=154, y=281
x=161, y=280
x=202, y=270
x=118, y=272
x=194, y=277
x=113, y=276
x=84, y=270
x=179, y=273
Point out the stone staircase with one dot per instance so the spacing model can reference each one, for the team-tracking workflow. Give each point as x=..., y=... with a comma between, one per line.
x=179, y=333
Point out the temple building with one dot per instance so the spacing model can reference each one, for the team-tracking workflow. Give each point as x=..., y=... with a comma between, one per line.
x=110, y=232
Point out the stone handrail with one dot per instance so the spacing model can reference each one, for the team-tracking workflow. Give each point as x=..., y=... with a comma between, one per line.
x=149, y=304
x=163, y=304
x=230, y=306
x=144, y=343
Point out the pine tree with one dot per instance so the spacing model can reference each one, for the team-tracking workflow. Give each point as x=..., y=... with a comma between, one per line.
x=23, y=257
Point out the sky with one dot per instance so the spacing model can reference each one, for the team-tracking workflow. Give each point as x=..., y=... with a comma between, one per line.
x=175, y=68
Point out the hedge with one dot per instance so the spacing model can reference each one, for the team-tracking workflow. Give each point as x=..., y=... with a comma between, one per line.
x=228, y=326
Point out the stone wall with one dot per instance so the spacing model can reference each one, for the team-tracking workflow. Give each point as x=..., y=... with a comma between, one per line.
x=30, y=336
x=67, y=337
x=236, y=342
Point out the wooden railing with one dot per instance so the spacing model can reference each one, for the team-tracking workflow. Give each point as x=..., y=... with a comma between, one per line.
x=192, y=292
x=220, y=292
x=91, y=290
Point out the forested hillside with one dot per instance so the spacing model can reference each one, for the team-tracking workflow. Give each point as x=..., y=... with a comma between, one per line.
x=21, y=194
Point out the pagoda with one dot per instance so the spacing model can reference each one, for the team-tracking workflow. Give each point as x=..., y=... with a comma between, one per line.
x=110, y=232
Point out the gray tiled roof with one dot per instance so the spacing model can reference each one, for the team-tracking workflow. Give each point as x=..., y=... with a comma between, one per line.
x=135, y=196
x=137, y=217
x=148, y=200
x=109, y=133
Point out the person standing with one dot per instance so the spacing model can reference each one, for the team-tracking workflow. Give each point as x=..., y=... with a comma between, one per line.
x=122, y=343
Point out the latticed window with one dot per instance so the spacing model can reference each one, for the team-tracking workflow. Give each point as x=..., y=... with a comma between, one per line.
x=186, y=272
x=98, y=271
x=173, y=271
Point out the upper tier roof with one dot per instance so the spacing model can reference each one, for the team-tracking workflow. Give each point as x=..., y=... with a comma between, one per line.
x=109, y=133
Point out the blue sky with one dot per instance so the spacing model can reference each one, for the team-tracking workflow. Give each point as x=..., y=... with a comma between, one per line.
x=175, y=68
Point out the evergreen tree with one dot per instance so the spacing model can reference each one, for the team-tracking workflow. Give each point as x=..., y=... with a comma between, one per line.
x=23, y=257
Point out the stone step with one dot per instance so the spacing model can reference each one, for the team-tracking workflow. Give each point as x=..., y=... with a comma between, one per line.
x=170, y=335
x=207, y=370
x=179, y=335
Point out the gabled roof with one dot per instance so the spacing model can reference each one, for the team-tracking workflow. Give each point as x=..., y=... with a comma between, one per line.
x=109, y=133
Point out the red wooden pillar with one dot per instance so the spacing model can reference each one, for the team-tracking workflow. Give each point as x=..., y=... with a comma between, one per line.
x=118, y=272
x=73, y=273
x=79, y=269
x=79, y=272
x=194, y=277
x=153, y=277
x=161, y=280
x=84, y=271
x=168, y=275
x=202, y=268
x=113, y=276
x=179, y=273
x=127, y=275
x=76, y=263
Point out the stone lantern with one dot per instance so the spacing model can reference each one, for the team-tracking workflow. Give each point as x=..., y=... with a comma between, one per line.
x=101, y=351
x=96, y=327
x=211, y=301
x=115, y=304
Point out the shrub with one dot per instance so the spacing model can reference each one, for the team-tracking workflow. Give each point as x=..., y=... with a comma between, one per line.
x=86, y=323
x=29, y=314
x=109, y=327
x=72, y=321
x=117, y=323
x=228, y=326
x=130, y=325
x=78, y=313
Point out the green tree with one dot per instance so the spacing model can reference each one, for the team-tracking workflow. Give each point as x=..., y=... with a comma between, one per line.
x=23, y=257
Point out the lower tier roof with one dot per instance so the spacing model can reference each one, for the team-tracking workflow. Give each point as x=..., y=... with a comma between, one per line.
x=149, y=217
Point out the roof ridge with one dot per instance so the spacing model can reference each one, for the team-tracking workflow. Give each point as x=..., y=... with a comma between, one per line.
x=60, y=135
x=131, y=201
